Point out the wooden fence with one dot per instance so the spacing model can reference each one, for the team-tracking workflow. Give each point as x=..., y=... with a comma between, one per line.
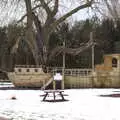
x=87, y=78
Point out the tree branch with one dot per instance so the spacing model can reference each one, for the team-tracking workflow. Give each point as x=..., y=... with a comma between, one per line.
x=88, y=4
x=23, y=17
x=55, y=10
x=16, y=45
x=109, y=8
x=77, y=51
x=73, y=51
x=45, y=6
x=56, y=51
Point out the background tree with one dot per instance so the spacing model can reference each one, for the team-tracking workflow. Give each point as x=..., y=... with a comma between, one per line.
x=106, y=36
x=113, y=9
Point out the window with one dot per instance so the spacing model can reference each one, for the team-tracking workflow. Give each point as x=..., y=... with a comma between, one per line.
x=36, y=70
x=114, y=62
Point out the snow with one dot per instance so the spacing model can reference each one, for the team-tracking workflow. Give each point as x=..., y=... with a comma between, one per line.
x=83, y=104
x=6, y=84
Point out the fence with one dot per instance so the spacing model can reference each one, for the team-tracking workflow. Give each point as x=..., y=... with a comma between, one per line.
x=74, y=78
x=86, y=78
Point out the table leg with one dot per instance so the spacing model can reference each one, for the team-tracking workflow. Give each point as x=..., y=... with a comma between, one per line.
x=62, y=96
x=54, y=95
x=45, y=96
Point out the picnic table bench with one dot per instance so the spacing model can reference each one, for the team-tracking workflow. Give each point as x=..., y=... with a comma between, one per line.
x=54, y=93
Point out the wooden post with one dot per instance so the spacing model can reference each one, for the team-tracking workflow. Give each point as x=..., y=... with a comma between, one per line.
x=63, y=69
x=93, y=58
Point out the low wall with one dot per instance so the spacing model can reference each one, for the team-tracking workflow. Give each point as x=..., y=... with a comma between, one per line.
x=78, y=82
x=98, y=81
x=106, y=79
x=87, y=78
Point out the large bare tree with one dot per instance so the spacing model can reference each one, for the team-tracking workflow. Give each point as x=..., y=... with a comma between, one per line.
x=42, y=19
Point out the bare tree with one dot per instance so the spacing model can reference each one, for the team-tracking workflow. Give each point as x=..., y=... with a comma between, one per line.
x=42, y=20
x=113, y=7
x=110, y=9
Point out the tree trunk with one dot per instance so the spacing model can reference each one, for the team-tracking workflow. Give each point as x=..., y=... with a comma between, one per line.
x=30, y=37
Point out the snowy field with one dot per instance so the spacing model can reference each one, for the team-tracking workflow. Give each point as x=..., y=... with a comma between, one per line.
x=83, y=104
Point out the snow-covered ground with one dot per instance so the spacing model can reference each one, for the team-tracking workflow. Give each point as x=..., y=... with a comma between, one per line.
x=83, y=104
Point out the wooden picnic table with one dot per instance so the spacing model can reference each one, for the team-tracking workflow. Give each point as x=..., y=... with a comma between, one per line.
x=54, y=93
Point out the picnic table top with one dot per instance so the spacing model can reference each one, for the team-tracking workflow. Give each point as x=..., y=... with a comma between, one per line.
x=52, y=91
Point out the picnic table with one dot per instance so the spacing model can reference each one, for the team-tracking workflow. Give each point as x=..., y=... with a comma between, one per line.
x=54, y=94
